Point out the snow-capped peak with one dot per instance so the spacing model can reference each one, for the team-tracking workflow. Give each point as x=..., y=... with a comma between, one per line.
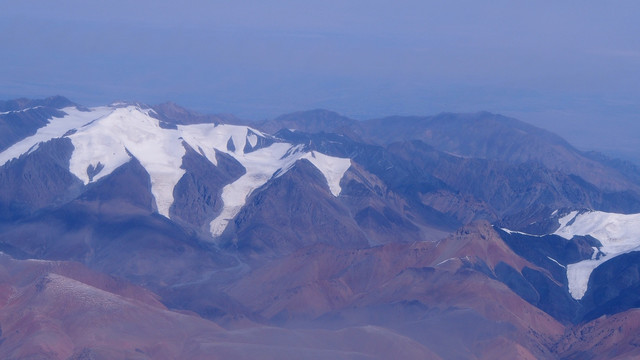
x=106, y=138
x=109, y=143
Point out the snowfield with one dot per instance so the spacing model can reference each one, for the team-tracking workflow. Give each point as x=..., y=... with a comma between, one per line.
x=618, y=233
x=108, y=137
x=56, y=128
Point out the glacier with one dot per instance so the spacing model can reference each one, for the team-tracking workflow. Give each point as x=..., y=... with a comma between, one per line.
x=618, y=234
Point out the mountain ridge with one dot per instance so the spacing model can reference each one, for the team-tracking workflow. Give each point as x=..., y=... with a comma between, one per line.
x=312, y=233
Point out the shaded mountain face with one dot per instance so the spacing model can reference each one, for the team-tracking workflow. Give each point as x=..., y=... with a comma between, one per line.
x=197, y=196
x=308, y=236
x=23, y=117
x=306, y=214
x=36, y=181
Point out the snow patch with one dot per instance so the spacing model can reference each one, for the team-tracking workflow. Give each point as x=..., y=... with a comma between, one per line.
x=57, y=127
x=556, y=261
x=331, y=167
x=618, y=234
x=19, y=111
x=253, y=140
x=444, y=261
x=519, y=232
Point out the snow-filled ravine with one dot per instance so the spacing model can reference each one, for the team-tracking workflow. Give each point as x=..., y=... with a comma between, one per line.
x=618, y=233
x=108, y=137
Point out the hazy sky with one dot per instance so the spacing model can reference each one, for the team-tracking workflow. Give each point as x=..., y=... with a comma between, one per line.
x=569, y=66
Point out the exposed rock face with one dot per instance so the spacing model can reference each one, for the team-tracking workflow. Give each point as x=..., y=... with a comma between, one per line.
x=614, y=337
x=38, y=180
x=613, y=287
x=23, y=117
x=511, y=189
x=197, y=198
x=383, y=215
x=126, y=191
x=293, y=211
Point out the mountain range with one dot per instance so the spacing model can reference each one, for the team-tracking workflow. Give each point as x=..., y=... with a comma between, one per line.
x=153, y=232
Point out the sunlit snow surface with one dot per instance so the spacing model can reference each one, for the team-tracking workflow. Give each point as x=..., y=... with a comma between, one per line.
x=125, y=131
x=56, y=128
x=261, y=165
x=618, y=233
x=107, y=137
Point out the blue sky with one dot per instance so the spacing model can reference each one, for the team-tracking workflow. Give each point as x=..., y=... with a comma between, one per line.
x=569, y=66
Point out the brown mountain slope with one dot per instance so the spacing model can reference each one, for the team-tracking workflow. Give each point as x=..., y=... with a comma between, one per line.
x=415, y=289
x=62, y=310
x=609, y=337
